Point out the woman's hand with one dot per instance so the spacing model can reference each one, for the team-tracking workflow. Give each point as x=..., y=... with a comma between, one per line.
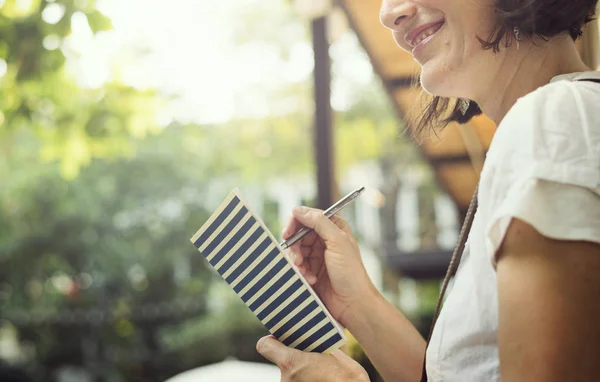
x=299, y=366
x=329, y=259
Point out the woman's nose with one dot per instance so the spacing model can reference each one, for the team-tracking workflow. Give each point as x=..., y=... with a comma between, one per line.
x=394, y=12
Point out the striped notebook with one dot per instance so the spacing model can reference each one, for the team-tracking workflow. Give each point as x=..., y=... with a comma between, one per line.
x=238, y=245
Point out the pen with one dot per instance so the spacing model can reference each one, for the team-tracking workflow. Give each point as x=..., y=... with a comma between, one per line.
x=328, y=212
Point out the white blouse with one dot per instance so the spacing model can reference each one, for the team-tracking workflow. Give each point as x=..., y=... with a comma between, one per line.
x=543, y=167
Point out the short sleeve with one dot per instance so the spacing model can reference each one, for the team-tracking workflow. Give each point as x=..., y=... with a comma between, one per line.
x=556, y=210
x=544, y=166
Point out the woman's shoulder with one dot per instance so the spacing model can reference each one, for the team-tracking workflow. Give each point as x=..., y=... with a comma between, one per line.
x=556, y=127
x=563, y=100
x=562, y=108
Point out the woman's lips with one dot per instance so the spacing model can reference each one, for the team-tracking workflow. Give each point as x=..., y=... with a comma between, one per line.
x=425, y=37
x=420, y=33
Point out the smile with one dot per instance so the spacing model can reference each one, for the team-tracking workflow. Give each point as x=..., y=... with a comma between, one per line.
x=419, y=35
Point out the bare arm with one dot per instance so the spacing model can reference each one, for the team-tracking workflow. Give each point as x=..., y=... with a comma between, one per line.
x=391, y=342
x=549, y=308
x=330, y=260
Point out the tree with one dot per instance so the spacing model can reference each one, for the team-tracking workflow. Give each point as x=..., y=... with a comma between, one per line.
x=37, y=95
x=103, y=259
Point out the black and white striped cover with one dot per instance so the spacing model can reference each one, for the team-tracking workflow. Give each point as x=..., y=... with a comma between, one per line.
x=241, y=249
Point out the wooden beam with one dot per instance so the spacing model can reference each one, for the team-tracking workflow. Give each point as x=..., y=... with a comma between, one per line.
x=420, y=265
x=449, y=160
x=323, y=131
x=402, y=82
x=473, y=144
x=377, y=67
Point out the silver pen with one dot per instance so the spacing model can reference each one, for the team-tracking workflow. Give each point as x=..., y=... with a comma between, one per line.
x=334, y=209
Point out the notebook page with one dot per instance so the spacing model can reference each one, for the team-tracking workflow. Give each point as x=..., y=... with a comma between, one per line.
x=238, y=245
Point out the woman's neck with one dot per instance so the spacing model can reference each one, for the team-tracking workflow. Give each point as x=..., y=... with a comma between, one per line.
x=524, y=70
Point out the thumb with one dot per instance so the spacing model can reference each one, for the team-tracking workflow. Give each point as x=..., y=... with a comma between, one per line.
x=343, y=357
x=316, y=219
x=274, y=350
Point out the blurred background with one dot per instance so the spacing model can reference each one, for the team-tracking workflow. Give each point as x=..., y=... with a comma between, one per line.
x=124, y=123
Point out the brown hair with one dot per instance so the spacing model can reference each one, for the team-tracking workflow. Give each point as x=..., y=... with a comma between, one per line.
x=535, y=19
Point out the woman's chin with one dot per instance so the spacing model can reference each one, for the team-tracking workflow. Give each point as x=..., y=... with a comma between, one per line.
x=435, y=83
x=431, y=85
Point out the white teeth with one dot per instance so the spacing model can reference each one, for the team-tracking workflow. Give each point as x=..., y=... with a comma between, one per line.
x=426, y=33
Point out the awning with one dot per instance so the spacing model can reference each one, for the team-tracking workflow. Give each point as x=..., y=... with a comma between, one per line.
x=457, y=154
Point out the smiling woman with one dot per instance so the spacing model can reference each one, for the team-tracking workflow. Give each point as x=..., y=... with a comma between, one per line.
x=493, y=29
x=523, y=302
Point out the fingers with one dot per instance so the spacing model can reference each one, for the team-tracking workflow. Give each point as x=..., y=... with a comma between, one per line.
x=307, y=274
x=293, y=225
x=327, y=229
x=352, y=366
x=276, y=352
x=316, y=220
x=342, y=357
x=290, y=228
x=342, y=224
x=310, y=278
x=296, y=255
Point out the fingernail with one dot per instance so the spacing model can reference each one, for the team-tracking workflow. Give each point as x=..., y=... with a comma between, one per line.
x=300, y=210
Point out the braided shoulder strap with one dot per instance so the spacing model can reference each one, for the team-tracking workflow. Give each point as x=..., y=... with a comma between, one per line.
x=452, y=267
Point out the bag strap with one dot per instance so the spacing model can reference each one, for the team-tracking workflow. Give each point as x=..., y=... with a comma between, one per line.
x=452, y=267
x=457, y=256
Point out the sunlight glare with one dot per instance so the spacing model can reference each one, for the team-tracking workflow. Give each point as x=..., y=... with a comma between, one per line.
x=189, y=52
x=301, y=62
x=24, y=5
x=51, y=42
x=53, y=13
x=3, y=67
x=88, y=56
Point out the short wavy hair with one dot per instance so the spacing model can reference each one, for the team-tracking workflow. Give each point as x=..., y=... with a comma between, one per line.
x=535, y=19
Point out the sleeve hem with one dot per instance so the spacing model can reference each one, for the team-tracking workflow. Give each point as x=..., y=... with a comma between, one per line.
x=556, y=210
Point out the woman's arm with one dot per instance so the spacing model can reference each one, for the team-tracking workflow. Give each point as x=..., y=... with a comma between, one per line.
x=390, y=341
x=549, y=307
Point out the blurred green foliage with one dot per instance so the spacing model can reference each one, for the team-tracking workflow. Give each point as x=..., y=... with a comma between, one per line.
x=37, y=95
x=97, y=204
x=104, y=258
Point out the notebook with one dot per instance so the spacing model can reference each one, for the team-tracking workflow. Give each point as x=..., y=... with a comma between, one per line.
x=239, y=246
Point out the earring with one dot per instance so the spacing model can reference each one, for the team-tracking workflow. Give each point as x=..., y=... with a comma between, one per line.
x=517, y=33
x=463, y=105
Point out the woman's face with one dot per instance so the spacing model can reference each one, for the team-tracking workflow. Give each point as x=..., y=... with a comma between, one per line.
x=442, y=37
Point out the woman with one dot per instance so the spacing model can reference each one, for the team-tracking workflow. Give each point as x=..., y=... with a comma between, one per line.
x=525, y=301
